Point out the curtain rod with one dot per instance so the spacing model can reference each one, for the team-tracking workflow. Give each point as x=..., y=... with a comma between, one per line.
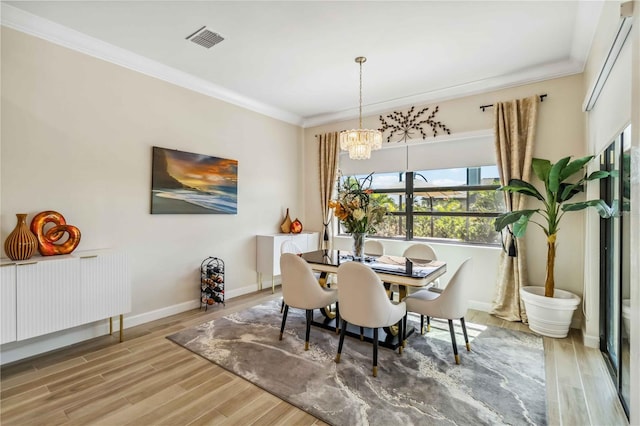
x=482, y=107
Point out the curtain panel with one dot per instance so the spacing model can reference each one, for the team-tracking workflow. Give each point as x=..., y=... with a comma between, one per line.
x=515, y=125
x=328, y=154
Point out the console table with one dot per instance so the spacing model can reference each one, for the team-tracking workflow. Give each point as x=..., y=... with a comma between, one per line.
x=45, y=294
x=268, y=252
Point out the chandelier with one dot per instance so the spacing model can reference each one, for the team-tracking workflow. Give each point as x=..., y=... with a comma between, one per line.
x=360, y=142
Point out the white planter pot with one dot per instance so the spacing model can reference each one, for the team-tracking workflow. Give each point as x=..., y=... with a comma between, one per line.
x=549, y=316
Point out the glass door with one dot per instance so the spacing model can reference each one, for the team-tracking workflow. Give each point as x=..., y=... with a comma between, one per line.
x=615, y=264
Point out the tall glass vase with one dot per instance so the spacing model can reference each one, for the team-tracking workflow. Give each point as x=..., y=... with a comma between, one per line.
x=358, y=245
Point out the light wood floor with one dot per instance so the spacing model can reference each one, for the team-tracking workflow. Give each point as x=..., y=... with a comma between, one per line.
x=148, y=380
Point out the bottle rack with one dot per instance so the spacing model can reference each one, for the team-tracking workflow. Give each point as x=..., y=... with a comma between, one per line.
x=211, y=282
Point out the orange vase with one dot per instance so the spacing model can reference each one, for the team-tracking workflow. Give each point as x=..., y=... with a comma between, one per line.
x=21, y=243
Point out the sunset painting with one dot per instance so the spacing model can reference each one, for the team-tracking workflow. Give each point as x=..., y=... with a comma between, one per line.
x=187, y=183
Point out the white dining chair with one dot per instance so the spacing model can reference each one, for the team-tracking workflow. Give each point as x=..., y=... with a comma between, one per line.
x=289, y=246
x=451, y=304
x=301, y=290
x=363, y=302
x=420, y=251
x=424, y=252
x=373, y=248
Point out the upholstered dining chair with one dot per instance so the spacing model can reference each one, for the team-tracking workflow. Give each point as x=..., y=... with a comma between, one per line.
x=288, y=246
x=373, y=248
x=450, y=304
x=364, y=302
x=301, y=290
x=425, y=252
x=420, y=251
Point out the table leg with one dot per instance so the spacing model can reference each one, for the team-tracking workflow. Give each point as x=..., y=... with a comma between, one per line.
x=327, y=312
x=322, y=279
x=121, y=327
x=403, y=292
x=110, y=326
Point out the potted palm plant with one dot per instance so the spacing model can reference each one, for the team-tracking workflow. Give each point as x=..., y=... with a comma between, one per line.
x=549, y=309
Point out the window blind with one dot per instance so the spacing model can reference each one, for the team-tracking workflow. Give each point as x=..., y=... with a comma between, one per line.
x=471, y=149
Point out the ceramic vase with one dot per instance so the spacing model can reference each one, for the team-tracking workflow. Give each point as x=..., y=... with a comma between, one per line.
x=21, y=244
x=286, y=224
x=358, y=245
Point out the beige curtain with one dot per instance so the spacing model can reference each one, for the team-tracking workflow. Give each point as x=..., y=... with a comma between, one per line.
x=515, y=124
x=328, y=164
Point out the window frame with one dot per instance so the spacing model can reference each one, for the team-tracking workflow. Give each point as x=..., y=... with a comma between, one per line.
x=406, y=198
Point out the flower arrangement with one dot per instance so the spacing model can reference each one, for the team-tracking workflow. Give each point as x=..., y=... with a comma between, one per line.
x=354, y=206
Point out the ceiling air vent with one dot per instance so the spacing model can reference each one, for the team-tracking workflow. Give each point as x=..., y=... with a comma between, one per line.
x=205, y=38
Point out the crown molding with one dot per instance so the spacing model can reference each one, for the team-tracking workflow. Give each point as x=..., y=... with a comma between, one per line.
x=531, y=75
x=20, y=20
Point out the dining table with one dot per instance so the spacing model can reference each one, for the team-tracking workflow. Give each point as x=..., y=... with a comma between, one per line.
x=403, y=271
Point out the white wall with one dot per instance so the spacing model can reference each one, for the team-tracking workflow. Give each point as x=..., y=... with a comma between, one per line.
x=560, y=133
x=608, y=118
x=77, y=134
x=618, y=105
x=635, y=220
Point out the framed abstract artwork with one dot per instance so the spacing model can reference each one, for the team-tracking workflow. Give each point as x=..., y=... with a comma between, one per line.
x=187, y=183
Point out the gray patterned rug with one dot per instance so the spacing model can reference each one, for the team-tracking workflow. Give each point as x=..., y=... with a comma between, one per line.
x=501, y=381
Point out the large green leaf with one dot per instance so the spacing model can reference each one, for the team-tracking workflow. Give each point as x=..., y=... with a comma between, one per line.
x=574, y=167
x=603, y=209
x=518, y=185
x=568, y=190
x=508, y=218
x=520, y=226
x=600, y=174
x=541, y=168
x=555, y=174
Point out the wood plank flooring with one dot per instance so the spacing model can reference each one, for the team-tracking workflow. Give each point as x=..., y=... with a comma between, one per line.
x=148, y=380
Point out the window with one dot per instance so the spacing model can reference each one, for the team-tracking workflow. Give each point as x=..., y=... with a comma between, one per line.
x=453, y=205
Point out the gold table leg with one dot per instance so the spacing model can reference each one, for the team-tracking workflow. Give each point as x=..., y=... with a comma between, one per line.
x=121, y=327
x=111, y=326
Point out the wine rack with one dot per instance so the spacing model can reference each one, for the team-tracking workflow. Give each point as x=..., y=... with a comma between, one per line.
x=211, y=282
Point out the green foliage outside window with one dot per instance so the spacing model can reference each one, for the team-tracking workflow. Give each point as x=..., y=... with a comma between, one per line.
x=467, y=224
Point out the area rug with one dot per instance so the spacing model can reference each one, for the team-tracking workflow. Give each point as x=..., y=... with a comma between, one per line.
x=501, y=381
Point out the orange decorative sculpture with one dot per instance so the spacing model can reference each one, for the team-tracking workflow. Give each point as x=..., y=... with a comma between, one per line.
x=46, y=239
x=296, y=226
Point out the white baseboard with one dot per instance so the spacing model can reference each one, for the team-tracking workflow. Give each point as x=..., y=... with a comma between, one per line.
x=589, y=340
x=15, y=351
x=479, y=306
x=156, y=314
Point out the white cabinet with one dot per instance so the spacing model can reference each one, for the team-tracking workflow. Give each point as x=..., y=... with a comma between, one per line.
x=48, y=296
x=7, y=303
x=51, y=293
x=268, y=251
x=106, y=290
